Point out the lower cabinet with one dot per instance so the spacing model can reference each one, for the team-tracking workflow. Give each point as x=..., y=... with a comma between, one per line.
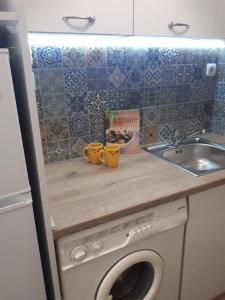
x=204, y=250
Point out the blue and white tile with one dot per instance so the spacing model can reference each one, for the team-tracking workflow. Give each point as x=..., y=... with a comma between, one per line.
x=152, y=76
x=221, y=59
x=73, y=57
x=54, y=106
x=167, y=113
x=58, y=150
x=42, y=131
x=152, y=57
x=220, y=92
x=77, y=145
x=59, y=155
x=167, y=95
x=117, y=99
x=151, y=116
x=116, y=56
x=150, y=135
x=213, y=55
x=168, y=76
x=97, y=79
x=183, y=93
x=49, y=57
x=97, y=102
x=196, y=91
x=200, y=56
x=51, y=81
x=151, y=96
x=135, y=77
x=96, y=124
x=193, y=125
x=185, y=56
x=45, y=153
x=181, y=112
x=39, y=107
x=209, y=90
x=75, y=80
x=36, y=81
x=117, y=78
x=169, y=56
x=221, y=72
x=195, y=110
x=181, y=127
x=207, y=108
x=79, y=125
x=56, y=129
x=135, y=98
x=199, y=72
x=184, y=74
x=98, y=138
x=77, y=103
x=96, y=57
x=33, y=52
x=136, y=56
x=166, y=131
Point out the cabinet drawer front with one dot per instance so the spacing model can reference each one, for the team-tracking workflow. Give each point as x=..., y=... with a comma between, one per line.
x=112, y=16
x=152, y=18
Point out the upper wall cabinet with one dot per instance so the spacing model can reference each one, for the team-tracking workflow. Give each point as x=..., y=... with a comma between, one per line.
x=80, y=16
x=220, y=20
x=190, y=18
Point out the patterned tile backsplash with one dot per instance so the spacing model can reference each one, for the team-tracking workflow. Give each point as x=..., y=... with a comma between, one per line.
x=76, y=85
x=218, y=112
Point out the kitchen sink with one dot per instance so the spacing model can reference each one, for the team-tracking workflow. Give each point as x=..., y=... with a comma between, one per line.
x=196, y=155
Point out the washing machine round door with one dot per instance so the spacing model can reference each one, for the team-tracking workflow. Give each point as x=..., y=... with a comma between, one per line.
x=135, y=277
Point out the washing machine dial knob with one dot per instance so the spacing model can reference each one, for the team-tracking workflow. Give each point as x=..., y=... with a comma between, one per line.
x=79, y=253
x=97, y=246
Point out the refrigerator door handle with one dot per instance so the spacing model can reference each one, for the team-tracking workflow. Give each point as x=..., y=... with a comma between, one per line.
x=8, y=205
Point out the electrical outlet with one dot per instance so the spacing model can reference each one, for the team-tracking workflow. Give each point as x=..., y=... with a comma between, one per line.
x=211, y=70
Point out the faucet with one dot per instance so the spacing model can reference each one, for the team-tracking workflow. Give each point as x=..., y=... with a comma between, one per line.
x=175, y=140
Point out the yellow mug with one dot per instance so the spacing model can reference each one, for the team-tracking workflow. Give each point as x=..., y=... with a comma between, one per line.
x=91, y=151
x=110, y=155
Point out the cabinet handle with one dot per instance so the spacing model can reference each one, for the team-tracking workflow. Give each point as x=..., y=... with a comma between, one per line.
x=90, y=19
x=171, y=25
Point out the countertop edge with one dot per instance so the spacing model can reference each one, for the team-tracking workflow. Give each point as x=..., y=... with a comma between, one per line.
x=59, y=233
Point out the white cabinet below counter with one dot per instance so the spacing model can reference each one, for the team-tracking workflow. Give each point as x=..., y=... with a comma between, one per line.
x=111, y=16
x=204, y=250
x=152, y=17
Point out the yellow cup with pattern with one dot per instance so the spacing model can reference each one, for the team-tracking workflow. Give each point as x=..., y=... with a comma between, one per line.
x=110, y=155
x=91, y=151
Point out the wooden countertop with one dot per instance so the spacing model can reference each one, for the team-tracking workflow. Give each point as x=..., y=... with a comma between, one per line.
x=82, y=195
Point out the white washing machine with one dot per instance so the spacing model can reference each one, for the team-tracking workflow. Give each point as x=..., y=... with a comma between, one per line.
x=133, y=258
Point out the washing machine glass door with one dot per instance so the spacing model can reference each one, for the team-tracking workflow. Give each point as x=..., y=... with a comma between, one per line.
x=135, y=277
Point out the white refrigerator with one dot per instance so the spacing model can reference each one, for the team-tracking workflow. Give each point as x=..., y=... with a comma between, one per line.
x=21, y=275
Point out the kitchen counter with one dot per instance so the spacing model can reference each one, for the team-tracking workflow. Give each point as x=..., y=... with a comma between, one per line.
x=82, y=195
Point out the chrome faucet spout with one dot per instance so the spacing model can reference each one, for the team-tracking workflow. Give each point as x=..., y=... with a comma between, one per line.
x=203, y=131
x=175, y=138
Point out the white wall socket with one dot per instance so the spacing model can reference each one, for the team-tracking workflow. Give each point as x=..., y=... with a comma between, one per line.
x=211, y=70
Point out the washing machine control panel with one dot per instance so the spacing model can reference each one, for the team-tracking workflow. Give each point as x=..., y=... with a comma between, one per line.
x=82, y=247
x=79, y=253
x=140, y=232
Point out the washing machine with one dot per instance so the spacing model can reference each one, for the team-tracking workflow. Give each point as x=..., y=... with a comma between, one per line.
x=137, y=257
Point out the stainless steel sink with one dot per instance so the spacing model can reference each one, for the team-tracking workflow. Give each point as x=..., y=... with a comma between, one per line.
x=197, y=156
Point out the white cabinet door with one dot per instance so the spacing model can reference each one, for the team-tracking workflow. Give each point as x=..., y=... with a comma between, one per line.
x=220, y=20
x=204, y=251
x=112, y=16
x=151, y=17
